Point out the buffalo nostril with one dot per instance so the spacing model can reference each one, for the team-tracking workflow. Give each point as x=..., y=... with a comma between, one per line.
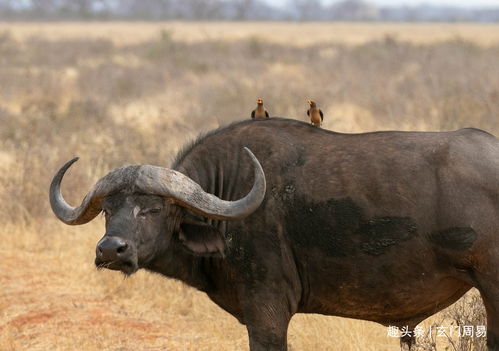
x=110, y=248
x=122, y=249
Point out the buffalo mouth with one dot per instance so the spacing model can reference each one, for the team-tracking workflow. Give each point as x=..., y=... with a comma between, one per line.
x=127, y=267
x=116, y=253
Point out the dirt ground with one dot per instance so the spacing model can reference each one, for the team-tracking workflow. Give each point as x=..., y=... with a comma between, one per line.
x=37, y=307
x=44, y=307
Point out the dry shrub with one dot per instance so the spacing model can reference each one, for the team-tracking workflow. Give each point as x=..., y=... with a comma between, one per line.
x=468, y=311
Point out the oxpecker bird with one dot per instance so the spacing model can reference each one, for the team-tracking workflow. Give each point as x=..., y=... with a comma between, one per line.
x=259, y=111
x=315, y=114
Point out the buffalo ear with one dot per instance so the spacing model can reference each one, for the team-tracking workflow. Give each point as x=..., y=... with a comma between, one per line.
x=201, y=238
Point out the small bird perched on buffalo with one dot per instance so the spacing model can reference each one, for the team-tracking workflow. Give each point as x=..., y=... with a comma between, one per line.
x=259, y=111
x=315, y=114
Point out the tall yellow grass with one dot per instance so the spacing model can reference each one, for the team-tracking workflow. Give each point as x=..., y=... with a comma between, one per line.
x=287, y=33
x=135, y=93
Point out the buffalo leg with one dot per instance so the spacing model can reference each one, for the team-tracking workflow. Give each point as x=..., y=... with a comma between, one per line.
x=491, y=302
x=267, y=326
x=262, y=340
x=407, y=341
x=488, y=285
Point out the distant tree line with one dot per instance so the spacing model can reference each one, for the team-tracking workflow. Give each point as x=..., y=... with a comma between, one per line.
x=293, y=10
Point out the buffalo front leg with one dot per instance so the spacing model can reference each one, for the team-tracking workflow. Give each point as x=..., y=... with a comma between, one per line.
x=268, y=332
x=267, y=317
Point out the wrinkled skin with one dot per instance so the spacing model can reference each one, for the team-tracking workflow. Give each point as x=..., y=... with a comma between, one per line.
x=389, y=227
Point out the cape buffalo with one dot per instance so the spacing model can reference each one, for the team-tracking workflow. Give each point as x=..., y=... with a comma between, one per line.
x=388, y=227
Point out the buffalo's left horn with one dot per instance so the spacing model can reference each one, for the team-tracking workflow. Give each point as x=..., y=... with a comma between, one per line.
x=187, y=193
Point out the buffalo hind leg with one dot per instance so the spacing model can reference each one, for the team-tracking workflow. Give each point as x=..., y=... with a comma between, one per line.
x=407, y=341
x=488, y=285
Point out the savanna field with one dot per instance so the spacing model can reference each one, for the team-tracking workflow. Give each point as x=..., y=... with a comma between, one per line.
x=124, y=93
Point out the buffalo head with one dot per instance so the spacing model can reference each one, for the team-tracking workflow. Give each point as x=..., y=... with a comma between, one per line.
x=144, y=206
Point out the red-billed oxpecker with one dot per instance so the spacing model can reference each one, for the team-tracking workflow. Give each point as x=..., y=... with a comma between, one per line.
x=259, y=111
x=315, y=114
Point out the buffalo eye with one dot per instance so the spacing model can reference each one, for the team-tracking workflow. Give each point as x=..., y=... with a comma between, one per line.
x=150, y=211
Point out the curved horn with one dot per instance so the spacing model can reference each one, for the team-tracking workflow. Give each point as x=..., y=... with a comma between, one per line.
x=187, y=193
x=91, y=205
x=160, y=181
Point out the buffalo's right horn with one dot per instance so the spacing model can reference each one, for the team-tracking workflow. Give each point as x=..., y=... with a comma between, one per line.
x=91, y=205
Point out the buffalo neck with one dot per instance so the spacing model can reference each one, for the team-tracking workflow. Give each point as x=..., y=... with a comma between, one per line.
x=177, y=263
x=219, y=177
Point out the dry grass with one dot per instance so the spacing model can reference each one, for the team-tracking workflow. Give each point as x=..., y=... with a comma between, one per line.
x=287, y=33
x=135, y=93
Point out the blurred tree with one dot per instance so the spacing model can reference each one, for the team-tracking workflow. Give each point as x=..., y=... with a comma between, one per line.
x=204, y=9
x=43, y=8
x=243, y=8
x=6, y=7
x=303, y=10
x=149, y=9
x=306, y=10
x=353, y=10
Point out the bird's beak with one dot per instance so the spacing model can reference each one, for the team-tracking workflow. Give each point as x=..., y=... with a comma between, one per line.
x=309, y=102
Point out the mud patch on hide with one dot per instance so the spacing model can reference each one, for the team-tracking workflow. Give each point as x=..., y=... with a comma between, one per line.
x=338, y=227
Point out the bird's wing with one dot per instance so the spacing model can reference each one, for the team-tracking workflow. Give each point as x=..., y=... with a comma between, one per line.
x=322, y=115
x=266, y=114
x=253, y=114
x=308, y=112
